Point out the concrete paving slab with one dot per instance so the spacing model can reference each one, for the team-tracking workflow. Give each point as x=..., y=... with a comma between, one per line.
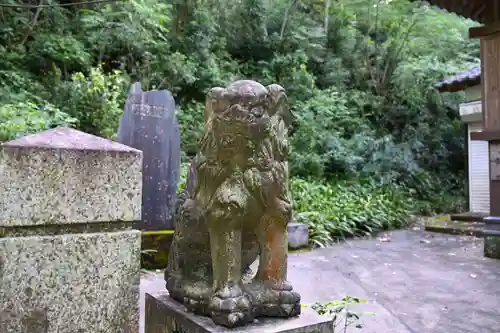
x=414, y=281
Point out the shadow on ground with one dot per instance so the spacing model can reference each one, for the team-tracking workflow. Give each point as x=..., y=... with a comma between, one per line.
x=415, y=282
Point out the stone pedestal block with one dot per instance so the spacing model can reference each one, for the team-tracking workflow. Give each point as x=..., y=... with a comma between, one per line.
x=298, y=235
x=164, y=315
x=69, y=258
x=70, y=283
x=491, y=234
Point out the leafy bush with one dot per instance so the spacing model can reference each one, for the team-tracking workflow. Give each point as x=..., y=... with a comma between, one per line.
x=435, y=194
x=191, y=120
x=345, y=209
x=340, y=311
x=53, y=49
x=28, y=118
x=324, y=123
x=335, y=140
x=96, y=100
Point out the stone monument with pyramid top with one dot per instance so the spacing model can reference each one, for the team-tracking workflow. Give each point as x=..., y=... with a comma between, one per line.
x=69, y=258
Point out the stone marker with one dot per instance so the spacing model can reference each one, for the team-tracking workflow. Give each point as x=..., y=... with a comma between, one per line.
x=491, y=235
x=164, y=315
x=237, y=209
x=298, y=235
x=69, y=259
x=149, y=124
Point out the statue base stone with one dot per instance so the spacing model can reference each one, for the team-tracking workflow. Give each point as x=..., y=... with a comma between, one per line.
x=298, y=235
x=165, y=315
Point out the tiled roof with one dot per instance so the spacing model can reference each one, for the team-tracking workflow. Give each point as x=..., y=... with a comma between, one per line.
x=461, y=80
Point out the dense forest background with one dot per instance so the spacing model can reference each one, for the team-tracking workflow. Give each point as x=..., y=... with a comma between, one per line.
x=374, y=142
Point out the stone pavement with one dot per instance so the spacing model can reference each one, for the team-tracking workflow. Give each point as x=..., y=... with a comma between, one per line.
x=414, y=281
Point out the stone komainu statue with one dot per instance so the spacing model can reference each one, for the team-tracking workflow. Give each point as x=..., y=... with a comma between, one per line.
x=235, y=207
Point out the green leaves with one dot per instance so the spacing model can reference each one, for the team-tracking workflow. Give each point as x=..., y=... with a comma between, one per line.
x=191, y=120
x=343, y=317
x=63, y=51
x=97, y=100
x=346, y=209
x=25, y=118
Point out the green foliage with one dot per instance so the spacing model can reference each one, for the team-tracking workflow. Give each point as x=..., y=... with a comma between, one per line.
x=183, y=176
x=65, y=52
x=28, y=118
x=340, y=310
x=359, y=75
x=97, y=100
x=191, y=122
x=348, y=209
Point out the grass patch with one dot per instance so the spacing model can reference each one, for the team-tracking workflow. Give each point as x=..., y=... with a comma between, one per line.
x=345, y=209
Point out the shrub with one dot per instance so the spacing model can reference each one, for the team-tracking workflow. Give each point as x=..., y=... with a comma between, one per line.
x=322, y=123
x=437, y=194
x=191, y=121
x=340, y=311
x=336, y=139
x=96, y=100
x=345, y=209
x=27, y=118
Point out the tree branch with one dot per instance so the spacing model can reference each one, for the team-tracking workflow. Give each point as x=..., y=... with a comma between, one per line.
x=90, y=2
x=285, y=18
x=33, y=23
x=327, y=15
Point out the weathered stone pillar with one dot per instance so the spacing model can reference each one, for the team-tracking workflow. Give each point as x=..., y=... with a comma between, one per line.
x=69, y=259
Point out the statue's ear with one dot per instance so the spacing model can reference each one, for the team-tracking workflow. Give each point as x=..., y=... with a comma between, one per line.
x=279, y=104
x=215, y=100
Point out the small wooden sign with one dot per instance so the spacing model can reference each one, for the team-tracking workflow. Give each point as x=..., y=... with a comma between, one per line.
x=495, y=160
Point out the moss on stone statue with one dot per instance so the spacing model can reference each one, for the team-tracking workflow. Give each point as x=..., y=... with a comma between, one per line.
x=155, y=246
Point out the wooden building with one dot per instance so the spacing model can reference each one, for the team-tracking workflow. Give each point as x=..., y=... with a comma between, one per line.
x=477, y=151
x=486, y=12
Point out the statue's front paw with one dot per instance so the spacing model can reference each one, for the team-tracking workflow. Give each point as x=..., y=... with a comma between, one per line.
x=288, y=301
x=197, y=297
x=274, y=300
x=288, y=304
x=230, y=307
